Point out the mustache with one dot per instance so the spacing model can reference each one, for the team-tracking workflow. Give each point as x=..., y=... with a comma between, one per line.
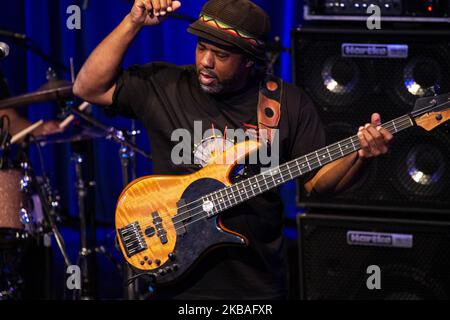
x=207, y=72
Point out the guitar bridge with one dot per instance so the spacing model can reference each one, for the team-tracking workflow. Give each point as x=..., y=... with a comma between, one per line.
x=132, y=239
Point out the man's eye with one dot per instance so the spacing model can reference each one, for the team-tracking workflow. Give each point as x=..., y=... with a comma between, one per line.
x=222, y=55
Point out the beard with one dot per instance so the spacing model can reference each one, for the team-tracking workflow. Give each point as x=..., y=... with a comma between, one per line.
x=213, y=89
x=217, y=86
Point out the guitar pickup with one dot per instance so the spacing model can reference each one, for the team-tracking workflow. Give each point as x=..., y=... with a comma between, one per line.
x=181, y=218
x=160, y=231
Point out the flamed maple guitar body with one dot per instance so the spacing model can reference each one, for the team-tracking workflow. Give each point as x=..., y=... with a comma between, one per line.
x=165, y=223
x=172, y=246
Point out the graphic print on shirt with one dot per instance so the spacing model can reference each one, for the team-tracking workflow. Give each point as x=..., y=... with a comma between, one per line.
x=209, y=148
x=207, y=145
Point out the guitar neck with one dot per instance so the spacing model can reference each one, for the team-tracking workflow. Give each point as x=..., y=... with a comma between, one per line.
x=242, y=191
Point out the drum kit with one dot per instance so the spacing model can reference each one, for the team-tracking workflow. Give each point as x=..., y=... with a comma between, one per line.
x=29, y=206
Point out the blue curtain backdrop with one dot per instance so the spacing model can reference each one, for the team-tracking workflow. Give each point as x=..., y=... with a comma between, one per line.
x=44, y=21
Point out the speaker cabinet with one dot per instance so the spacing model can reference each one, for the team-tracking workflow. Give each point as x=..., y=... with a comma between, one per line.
x=344, y=257
x=352, y=73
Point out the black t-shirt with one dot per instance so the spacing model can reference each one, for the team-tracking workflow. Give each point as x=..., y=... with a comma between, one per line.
x=167, y=97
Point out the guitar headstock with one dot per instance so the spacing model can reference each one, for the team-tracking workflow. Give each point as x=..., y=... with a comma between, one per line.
x=431, y=112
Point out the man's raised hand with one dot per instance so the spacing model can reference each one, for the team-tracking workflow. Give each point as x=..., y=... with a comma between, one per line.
x=152, y=12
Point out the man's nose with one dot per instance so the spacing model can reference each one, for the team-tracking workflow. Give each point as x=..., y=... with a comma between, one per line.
x=208, y=60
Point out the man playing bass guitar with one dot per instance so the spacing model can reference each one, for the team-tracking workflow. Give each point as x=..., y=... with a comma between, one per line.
x=221, y=91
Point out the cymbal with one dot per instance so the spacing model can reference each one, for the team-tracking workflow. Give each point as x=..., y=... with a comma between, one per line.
x=54, y=84
x=51, y=91
x=78, y=133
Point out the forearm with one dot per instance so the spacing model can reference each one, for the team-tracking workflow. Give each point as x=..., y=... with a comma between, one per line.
x=337, y=175
x=99, y=73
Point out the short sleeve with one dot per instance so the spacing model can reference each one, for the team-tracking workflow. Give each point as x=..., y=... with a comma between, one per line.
x=133, y=92
x=309, y=133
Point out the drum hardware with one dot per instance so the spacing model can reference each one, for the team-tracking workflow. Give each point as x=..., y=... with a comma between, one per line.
x=51, y=201
x=127, y=151
x=127, y=157
x=81, y=132
x=30, y=207
x=50, y=204
x=76, y=133
x=39, y=188
x=119, y=136
x=34, y=223
x=22, y=221
x=127, y=154
x=71, y=117
x=49, y=228
x=11, y=235
x=128, y=163
x=85, y=251
x=57, y=90
x=25, y=188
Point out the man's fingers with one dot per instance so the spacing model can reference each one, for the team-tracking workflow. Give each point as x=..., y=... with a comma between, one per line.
x=376, y=119
x=373, y=138
x=163, y=9
x=169, y=6
x=364, y=144
x=145, y=4
x=152, y=12
x=140, y=4
x=387, y=136
x=156, y=7
x=175, y=5
x=373, y=147
x=376, y=135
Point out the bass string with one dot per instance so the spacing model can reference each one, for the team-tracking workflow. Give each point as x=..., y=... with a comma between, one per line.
x=388, y=126
x=146, y=223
